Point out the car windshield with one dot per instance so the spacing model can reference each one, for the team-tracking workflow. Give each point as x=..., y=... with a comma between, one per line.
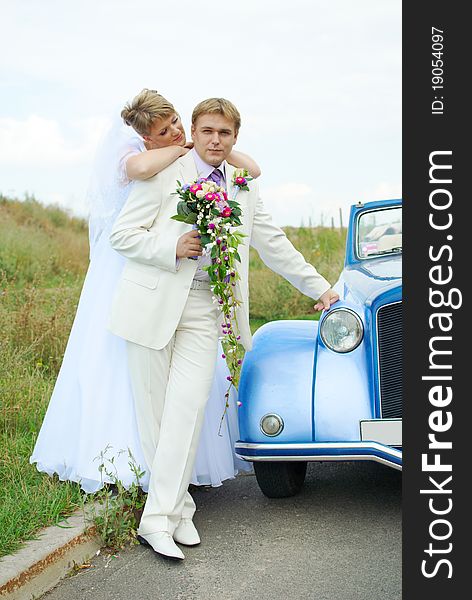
x=379, y=232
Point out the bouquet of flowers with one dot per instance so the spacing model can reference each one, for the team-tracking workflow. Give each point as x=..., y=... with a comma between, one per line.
x=207, y=207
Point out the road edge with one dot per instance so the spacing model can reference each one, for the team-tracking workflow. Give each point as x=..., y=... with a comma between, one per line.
x=41, y=563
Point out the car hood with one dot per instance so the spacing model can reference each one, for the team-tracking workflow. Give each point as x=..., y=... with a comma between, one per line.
x=364, y=281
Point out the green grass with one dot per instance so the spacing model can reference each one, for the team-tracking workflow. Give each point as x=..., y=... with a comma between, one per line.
x=43, y=260
x=43, y=257
x=29, y=500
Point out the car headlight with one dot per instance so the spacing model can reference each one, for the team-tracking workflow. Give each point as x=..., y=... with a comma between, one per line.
x=272, y=424
x=342, y=330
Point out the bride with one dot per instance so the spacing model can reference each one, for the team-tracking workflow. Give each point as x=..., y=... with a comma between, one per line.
x=90, y=419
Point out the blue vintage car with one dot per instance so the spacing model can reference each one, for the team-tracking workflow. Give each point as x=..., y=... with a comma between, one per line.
x=332, y=390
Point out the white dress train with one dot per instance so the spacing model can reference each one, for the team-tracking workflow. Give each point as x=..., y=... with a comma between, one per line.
x=91, y=417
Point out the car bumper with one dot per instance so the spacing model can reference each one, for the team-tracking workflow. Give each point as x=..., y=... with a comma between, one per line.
x=324, y=451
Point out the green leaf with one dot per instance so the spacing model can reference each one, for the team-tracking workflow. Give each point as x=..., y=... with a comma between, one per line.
x=189, y=219
x=183, y=209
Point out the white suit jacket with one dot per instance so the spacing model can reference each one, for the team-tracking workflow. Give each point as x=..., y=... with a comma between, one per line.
x=153, y=289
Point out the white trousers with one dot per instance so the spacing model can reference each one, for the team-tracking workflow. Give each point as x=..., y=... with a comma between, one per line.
x=171, y=387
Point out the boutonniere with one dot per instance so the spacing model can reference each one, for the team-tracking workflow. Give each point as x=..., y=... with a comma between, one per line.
x=241, y=178
x=206, y=206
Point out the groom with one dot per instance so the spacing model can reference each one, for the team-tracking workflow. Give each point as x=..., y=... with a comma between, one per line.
x=163, y=307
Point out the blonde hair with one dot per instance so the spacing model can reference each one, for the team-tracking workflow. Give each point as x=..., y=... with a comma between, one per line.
x=144, y=109
x=218, y=105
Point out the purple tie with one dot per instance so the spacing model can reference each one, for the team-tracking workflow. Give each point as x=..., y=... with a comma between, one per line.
x=216, y=175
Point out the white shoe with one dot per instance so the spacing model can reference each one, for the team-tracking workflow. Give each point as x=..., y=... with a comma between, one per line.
x=186, y=533
x=162, y=543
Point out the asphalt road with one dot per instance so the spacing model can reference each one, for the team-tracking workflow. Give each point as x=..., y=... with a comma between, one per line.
x=339, y=539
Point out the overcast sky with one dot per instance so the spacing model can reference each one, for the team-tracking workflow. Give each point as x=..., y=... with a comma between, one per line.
x=318, y=85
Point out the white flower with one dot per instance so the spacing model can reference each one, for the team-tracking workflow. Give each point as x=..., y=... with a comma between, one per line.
x=200, y=194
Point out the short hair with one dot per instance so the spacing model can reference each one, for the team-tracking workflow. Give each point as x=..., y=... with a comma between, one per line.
x=144, y=109
x=218, y=106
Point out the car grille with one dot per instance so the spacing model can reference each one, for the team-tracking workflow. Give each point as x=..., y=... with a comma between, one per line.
x=389, y=322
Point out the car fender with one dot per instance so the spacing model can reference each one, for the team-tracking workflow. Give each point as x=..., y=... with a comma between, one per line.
x=277, y=377
x=342, y=386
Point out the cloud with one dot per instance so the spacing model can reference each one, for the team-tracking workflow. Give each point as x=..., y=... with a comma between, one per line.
x=291, y=203
x=318, y=85
x=297, y=203
x=37, y=141
x=383, y=191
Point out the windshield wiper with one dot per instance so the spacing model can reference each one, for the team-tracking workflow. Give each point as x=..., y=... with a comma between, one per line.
x=396, y=250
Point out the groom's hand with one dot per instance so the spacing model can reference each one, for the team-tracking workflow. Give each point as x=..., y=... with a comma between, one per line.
x=189, y=245
x=326, y=299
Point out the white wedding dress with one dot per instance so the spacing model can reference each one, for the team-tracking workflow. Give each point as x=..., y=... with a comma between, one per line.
x=91, y=411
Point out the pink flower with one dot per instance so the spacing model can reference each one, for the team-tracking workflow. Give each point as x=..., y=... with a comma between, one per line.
x=229, y=378
x=226, y=257
x=240, y=181
x=218, y=241
x=195, y=188
x=226, y=212
x=225, y=196
x=210, y=197
x=211, y=226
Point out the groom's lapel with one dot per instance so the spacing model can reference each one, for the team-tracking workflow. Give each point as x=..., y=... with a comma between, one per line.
x=231, y=190
x=188, y=170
